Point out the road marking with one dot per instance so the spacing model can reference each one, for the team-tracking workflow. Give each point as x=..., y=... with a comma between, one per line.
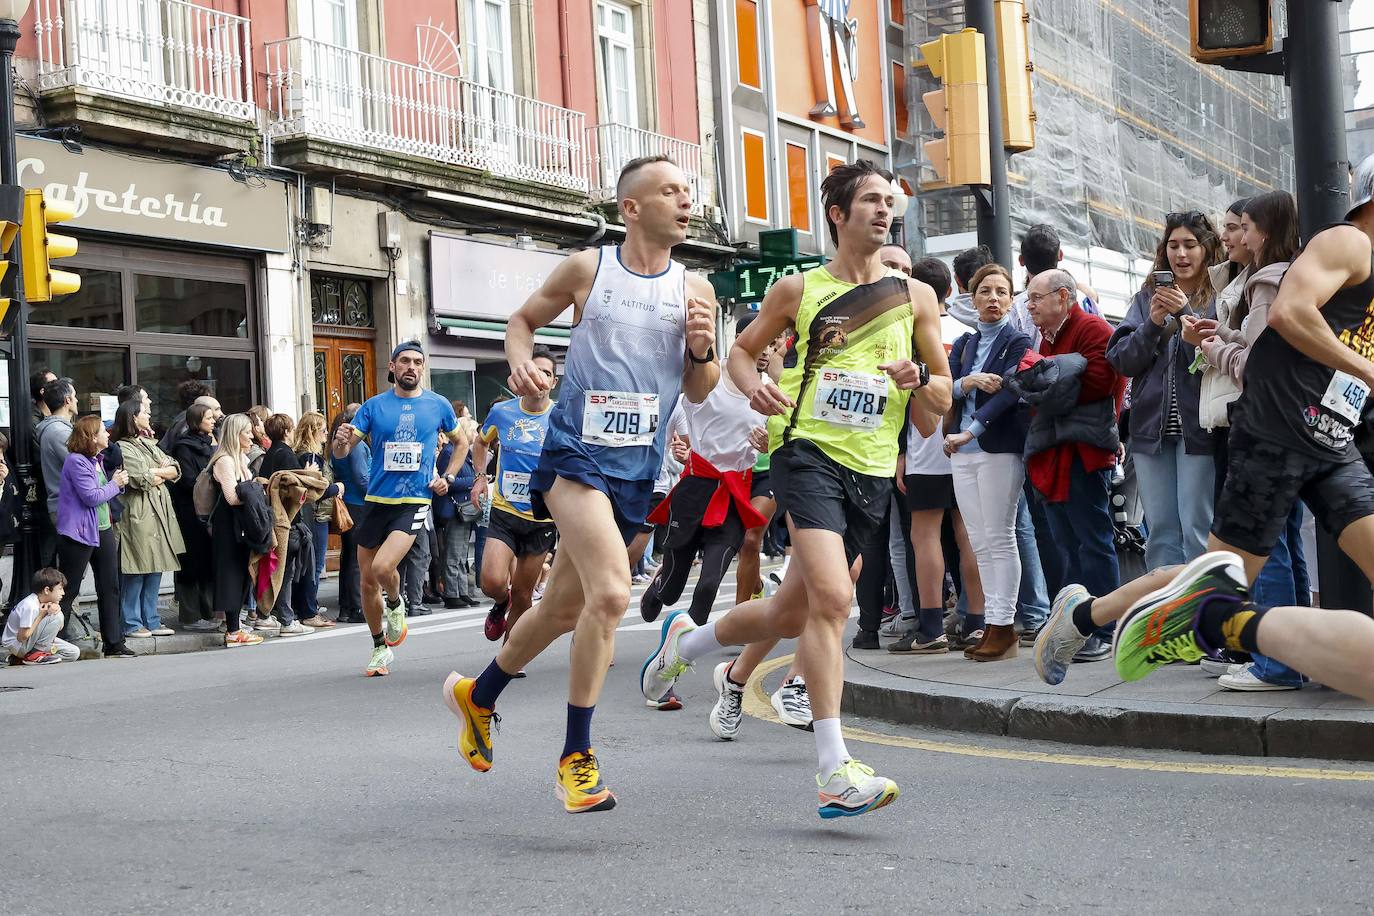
x=758, y=705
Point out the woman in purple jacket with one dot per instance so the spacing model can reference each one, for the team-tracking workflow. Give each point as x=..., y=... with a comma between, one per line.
x=85, y=535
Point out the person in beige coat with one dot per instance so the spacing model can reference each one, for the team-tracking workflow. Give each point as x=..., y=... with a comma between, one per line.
x=1218, y=389
x=149, y=536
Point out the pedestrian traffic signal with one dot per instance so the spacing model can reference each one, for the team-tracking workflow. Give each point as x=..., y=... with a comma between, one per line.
x=1230, y=28
x=11, y=214
x=960, y=109
x=41, y=247
x=1014, y=75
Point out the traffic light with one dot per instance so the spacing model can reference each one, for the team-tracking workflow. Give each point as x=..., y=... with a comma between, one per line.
x=1230, y=28
x=11, y=214
x=40, y=247
x=960, y=109
x=1013, y=59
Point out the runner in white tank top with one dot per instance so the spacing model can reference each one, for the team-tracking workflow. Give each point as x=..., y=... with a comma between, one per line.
x=643, y=330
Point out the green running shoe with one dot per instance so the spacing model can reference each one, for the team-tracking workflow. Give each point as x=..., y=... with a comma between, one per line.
x=1162, y=627
x=394, y=626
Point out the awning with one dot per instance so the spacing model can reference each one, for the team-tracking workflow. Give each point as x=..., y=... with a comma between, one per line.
x=496, y=330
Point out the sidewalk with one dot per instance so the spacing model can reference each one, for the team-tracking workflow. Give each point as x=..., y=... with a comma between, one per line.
x=1177, y=708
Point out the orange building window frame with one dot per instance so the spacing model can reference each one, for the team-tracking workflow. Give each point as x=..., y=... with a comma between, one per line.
x=747, y=68
x=754, y=169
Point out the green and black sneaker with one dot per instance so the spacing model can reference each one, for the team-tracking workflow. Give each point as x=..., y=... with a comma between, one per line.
x=1162, y=627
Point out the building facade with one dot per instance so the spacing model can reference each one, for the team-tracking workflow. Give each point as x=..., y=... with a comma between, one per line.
x=1129, y=127
x=272, y=194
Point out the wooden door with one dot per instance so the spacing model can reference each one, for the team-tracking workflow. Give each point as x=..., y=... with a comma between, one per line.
x=345, y=373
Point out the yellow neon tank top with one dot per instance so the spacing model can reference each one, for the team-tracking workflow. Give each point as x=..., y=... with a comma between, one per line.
x=846, y=405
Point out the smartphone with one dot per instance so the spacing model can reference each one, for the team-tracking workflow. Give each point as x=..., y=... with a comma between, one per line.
x=1163, y=278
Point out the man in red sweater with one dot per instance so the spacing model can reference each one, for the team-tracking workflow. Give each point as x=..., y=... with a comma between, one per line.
x=1074, y=475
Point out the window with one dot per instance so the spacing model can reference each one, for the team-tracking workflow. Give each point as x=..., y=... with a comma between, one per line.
x=180, y=305
x=615, y=42
x=344, y=302
x=832, y=162
x=755, y=176
x=799, y=187
x=99, y=304
x=902, y=117
x=747, y=43
x=898, y=12
x=229, y=378
x=489, y=43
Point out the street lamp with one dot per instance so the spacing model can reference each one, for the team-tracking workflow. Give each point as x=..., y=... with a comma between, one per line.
x=900, y=202
x=21, y=408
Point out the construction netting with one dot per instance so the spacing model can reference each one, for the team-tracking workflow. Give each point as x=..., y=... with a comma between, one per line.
x=1128, y=127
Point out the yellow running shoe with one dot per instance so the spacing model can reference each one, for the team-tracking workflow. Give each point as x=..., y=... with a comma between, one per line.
x=394, y=626
x=474, y=732
x=579, y=784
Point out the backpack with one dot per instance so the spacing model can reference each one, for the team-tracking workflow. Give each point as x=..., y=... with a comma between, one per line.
x=205, y=494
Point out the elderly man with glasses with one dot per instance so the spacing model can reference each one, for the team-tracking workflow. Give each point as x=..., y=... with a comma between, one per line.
x=1072, y=444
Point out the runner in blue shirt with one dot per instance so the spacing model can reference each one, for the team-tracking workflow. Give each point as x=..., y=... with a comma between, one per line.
x=517, y=429
x=403, y=426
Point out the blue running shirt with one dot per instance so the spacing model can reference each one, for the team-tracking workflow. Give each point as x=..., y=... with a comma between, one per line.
x=404, y=435
x=520, y=436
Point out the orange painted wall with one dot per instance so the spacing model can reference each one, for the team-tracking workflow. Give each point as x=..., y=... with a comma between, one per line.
x=792, y=75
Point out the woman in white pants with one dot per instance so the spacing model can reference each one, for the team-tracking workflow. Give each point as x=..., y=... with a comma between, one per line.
x=988, y=426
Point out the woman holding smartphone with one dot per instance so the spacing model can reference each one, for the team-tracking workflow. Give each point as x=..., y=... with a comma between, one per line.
x=1173, y=453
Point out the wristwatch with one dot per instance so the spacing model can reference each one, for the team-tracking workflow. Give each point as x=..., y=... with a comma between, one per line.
x=924, y=374
x=709, y=357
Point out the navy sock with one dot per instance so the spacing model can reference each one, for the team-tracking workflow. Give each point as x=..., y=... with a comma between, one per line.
x=489, y=685
x=579, y=730
x=1083, y=618
x=931, y=623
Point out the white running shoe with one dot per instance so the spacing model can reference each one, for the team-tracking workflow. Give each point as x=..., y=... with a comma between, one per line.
x=793, y=704
x=854, y=789
x=1059, y=640
x=295, y=628
x=380, y=663
x=269, y=623
x=1245, y=679
x=394, y=626
x=1216, y=667
x=662, y=669
x=729, y=708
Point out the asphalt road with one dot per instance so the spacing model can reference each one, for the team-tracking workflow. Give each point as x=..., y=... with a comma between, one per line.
x=277, y=779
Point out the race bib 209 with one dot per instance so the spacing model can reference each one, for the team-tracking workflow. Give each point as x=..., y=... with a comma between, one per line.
x=619, y=418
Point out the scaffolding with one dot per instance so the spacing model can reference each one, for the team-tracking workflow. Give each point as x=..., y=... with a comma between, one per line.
x=1128, y=127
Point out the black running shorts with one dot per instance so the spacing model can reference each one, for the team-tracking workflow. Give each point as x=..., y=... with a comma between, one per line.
x=816, y=491
x=1263, y=480
x=761, y=485
x=380, y=519
x=524, y=537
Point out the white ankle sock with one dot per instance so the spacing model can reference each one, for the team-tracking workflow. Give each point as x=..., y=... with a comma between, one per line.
x=830, y=747
x=700, y=641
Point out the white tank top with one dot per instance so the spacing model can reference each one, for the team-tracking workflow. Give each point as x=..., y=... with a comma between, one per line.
x=719, y=428
x=927, y=456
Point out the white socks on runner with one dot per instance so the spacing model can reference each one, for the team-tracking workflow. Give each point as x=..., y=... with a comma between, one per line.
x=830, y=749
x=699, y=642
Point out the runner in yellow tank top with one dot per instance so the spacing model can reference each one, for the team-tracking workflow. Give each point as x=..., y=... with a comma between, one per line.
x=835, y=421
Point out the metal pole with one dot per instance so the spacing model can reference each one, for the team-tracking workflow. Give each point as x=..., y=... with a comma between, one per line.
x=994, y=205
x=21, y=408
x=1313, y=52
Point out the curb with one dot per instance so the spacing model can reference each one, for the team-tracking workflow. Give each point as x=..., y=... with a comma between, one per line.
x=1252, y=731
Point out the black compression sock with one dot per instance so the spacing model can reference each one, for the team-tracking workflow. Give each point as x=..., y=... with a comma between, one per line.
x=378, y=640
x=1225, y=622
x=1083, y=618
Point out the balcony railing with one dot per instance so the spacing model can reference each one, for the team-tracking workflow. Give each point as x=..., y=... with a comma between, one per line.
x=168, y=52
x=613, y=145
x=323, y=90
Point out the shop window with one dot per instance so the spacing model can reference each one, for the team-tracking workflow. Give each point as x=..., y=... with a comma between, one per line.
x=747, y=43
x=99, y=304
x=180, y=305
x=94, y=372
x=798, y=187
x=755, y=176
x=342, y=302
x=455, y=384
x=229, y=379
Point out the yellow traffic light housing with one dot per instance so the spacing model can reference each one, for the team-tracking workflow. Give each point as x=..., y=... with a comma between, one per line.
x=11, y=214
x=41, y=247
x=1220, y=29
x=959, y=109
x=1014, y=76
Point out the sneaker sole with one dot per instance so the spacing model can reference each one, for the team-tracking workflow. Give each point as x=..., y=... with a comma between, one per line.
x=1187, y=573
x=664, y=632
x=474, y=759
x=604, y=804
x=376, y=672
x=1252, y=688
x=405, y=631
x=885, y=798
x=776, y=700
